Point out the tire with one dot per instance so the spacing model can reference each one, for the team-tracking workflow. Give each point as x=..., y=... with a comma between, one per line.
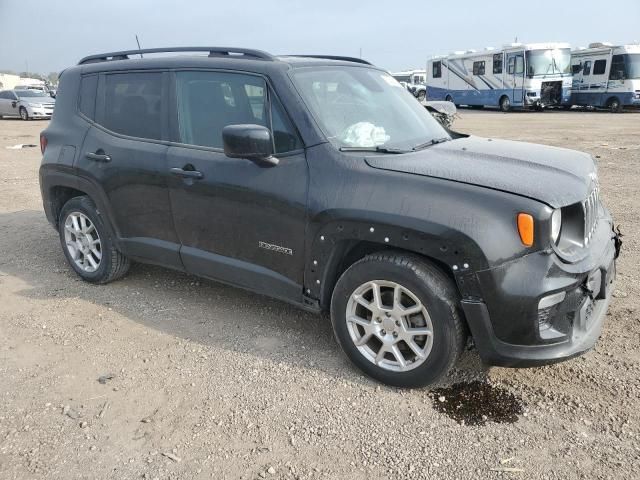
x=448, y=98
x=24, y=115
x=383, y=331
x=422, y=95
x=505, y=104
x=94, y=262
x=614, y=105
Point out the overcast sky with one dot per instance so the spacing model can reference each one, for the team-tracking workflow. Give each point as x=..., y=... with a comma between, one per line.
x=52, y=35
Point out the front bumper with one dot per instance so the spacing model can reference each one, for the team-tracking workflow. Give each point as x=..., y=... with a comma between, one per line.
x=40, y=112
x=506, y=327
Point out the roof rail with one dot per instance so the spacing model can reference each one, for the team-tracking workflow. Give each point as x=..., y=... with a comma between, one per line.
x=213, y=52
x=334, y=57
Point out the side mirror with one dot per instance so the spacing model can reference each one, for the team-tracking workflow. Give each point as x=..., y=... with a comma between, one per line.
x=253, y=142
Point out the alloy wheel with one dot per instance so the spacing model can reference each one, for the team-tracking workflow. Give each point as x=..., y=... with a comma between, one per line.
x=389, y=325
x=82, y=241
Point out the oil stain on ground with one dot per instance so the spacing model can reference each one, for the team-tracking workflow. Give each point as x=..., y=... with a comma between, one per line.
x=476, y=403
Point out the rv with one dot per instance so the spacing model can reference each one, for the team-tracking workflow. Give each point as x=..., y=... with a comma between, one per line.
x=606, y=76
x=536, y=75
x=414, y=81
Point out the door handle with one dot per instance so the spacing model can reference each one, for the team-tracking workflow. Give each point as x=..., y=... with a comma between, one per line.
x=187, y=173
x=98, y=157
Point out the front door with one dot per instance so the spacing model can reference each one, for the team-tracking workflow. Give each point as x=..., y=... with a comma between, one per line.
x=123, y=153
x=238, y=221
x=515, y=75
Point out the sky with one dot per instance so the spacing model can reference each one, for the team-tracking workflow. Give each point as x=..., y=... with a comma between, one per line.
x=49, y=36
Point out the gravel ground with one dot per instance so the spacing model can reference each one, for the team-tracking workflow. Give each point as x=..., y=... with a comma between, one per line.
x=201, y=380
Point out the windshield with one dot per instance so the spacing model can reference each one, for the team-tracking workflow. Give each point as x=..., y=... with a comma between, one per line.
x=364, y=107
x=633, y=65
x=548, y=62
x=30, y=93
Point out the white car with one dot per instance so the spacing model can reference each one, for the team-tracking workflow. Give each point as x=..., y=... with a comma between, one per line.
x=26, y=104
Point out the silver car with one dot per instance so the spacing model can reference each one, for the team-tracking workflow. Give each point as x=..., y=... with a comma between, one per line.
x=26, y=104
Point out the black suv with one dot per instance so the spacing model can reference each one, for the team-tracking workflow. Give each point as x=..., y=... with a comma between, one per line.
x=320, y=181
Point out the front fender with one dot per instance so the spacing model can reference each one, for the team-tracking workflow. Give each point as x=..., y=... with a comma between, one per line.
x=340, y=232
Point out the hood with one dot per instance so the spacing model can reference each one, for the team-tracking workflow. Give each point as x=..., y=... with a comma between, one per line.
x=555, y=176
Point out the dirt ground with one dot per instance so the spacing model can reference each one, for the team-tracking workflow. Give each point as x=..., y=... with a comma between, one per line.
x=214, y=382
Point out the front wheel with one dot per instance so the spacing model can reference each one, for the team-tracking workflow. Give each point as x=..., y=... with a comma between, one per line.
x=24, y=115
x=615, y=106
x=505, y=104
x=87, y=244
x=396, y=317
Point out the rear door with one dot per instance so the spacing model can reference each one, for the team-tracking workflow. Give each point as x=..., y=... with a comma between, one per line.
x=8, y=103
x=124, y=154
x=239, y=221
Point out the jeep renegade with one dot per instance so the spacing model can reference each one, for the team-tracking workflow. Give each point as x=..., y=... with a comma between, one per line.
x=320, y=181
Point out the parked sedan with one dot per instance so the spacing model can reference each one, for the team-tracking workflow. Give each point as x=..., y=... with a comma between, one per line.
x=26, y=104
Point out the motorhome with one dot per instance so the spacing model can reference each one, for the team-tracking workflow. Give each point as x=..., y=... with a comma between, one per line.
x=535, y=75
x=414, y=81
x=606, y=76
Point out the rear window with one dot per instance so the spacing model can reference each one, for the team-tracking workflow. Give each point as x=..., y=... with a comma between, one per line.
x=87, y=100
x=133, y=104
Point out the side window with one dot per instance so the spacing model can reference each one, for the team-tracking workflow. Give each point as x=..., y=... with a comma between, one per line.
x=133, y=104
x=617, y=71
x=285, y=138
x=599, y=67
x=511, y=65
x=437, y=69
x=209, y=101
x=87, y=100
x=519, y=65
x=586, y=68
x=478, y=68
x=497, y=63
x=4, y=95
x=576, y=68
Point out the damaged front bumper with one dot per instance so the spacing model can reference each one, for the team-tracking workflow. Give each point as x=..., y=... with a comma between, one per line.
x=539, y=310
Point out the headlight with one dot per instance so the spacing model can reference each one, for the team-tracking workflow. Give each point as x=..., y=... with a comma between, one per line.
x=556, y=225
x=35, y=105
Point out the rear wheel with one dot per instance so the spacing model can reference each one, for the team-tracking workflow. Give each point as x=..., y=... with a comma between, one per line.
x=397, y=319
x=505, y=104
x=422, y=95
x=24, y=115
x=86, y=243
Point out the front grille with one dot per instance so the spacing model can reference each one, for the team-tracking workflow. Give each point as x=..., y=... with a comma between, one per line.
x=590, y=207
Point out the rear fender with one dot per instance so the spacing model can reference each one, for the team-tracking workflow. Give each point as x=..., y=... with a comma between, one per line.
x=52, y=176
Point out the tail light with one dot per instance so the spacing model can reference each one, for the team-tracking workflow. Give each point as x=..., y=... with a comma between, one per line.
x=43, y=143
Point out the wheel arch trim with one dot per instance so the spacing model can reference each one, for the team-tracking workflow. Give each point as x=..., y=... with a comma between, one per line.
x=339, y=243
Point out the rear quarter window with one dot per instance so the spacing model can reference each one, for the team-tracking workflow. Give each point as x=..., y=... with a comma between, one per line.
x=87, y=100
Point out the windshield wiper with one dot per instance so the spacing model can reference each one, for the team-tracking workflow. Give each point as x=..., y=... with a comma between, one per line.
x=377, y=149
x=435, y=141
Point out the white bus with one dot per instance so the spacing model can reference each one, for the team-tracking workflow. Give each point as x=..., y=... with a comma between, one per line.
x=606, y=76
x=535, y=75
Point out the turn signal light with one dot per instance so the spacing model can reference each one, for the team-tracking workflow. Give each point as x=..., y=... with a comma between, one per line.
x=525, y=228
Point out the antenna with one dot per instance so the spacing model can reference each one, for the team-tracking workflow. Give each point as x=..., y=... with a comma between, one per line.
x=138, y=42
